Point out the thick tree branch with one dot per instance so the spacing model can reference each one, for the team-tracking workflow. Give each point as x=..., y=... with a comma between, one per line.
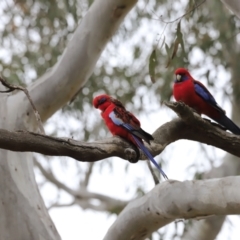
x=77, y=63
x=199, y=199
x=209, y=228
x=191, y=126
x=22, y=141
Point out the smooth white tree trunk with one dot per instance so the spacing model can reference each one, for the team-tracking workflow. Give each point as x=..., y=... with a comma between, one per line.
x=23, y=214
x=208, y=229
x=173, y=200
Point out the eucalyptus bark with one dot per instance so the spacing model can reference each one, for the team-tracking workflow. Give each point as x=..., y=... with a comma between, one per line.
x=23, y=214
x=173, y=200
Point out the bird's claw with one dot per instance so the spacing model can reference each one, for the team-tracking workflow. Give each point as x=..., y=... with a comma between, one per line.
x=215, y=124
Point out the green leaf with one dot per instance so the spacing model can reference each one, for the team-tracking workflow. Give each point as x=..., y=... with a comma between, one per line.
x=179, y=29
x=175, y=48
x=152, y=65
x=180, y=36
x=168, y=50
x=163, y=41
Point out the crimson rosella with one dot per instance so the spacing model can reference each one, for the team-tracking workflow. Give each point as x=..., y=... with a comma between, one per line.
x=122, y=123
x=195, y=94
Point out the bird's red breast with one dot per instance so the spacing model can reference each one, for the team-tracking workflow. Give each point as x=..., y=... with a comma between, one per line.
x=184, y=91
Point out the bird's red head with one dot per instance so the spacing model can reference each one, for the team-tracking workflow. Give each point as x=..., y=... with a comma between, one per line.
x=102, y=101
x=182, y=74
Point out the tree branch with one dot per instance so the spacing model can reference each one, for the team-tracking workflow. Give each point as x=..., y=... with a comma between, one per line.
x=209, y=228
x=199, y=199
x=12, y=88
x=23, y=141
x=233, y=5
x=191, y=126
x=63, y=81
x=84, y=183
x=83, y=197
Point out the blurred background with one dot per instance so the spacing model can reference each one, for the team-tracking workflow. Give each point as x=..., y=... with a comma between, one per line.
x=137, y=67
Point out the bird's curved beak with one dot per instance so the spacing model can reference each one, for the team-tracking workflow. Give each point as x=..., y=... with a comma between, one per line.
x=178, y=77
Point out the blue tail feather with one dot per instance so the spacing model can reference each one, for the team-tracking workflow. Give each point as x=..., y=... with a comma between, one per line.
x=149, y=155
x=228, y=124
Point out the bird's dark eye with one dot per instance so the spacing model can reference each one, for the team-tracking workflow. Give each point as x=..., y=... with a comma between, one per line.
x=102, y=100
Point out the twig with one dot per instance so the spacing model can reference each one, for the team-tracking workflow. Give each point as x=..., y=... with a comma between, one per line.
x=82, y=197
x=58, y=205
x=155, y=178
x=185, y=14
x=88, y=174
x=11, y=88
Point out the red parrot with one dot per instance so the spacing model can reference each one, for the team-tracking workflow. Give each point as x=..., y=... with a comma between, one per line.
x=122, y=123
x=195, y=95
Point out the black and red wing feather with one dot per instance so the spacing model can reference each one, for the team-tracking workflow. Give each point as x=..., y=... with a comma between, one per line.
x=130, y=122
